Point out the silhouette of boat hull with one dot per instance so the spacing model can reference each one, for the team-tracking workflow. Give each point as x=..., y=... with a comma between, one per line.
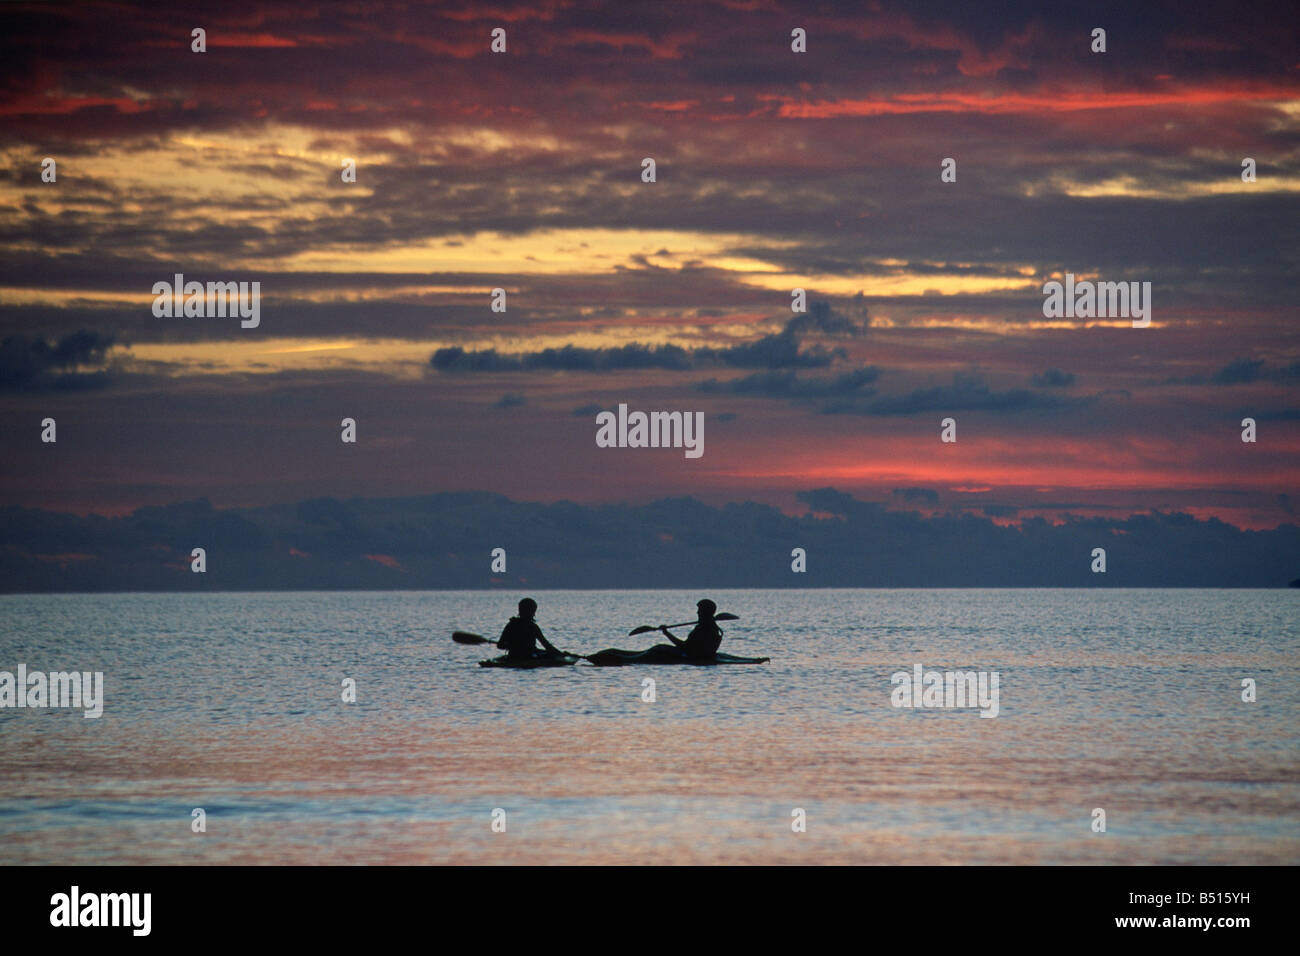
x=530, y=663
x=663, y=654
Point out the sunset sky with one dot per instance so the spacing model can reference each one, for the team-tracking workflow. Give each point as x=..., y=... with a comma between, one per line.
x=775, y=170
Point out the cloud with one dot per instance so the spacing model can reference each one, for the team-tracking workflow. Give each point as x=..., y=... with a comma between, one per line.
x=31, y=364
x=1053, y=378
x=790, y=385
x=927, y=495
x=851, y=393
x=831, y=501
x=568, y=358
x=475, y=171
x=780, y=350
x=1241, y=371
x=820, y=317
x=967, y=393
x=1245, y=371
x=510, y=400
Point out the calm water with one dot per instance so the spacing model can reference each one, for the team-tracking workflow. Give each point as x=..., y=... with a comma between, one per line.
x=1124, y=700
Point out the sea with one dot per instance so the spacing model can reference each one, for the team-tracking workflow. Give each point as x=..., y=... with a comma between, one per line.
x=1131, y=727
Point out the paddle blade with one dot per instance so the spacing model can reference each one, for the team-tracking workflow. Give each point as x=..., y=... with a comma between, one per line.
x=647, y=628
x=464, y=637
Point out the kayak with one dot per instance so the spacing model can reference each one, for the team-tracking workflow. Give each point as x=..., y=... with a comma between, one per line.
x=528, y=663
x=663, y=654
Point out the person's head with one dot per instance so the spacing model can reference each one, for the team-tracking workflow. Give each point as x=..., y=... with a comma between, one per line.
x=707, y=609
x=527, y=608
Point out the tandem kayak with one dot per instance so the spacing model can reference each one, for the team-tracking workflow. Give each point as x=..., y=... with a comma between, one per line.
x=528, y=663
x=664, y=654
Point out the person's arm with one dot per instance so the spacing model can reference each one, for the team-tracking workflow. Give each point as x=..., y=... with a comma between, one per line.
x=547, y=644
x=663, y=629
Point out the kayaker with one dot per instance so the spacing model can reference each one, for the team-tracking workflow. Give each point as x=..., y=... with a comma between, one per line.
x=521, y=635
x=705, y=636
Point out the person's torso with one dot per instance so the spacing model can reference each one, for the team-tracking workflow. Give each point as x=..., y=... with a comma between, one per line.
x=520, y=636
x=704, y=639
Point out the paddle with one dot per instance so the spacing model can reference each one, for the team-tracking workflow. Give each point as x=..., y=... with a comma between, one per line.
x=647, y=628
x=465, y=637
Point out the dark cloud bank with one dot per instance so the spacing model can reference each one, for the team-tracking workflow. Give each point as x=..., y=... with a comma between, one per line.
x=32, y=364
x=444, y=541
x=780, y=350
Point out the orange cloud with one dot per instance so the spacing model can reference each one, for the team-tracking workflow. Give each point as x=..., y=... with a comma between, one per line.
x=1046, y=101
